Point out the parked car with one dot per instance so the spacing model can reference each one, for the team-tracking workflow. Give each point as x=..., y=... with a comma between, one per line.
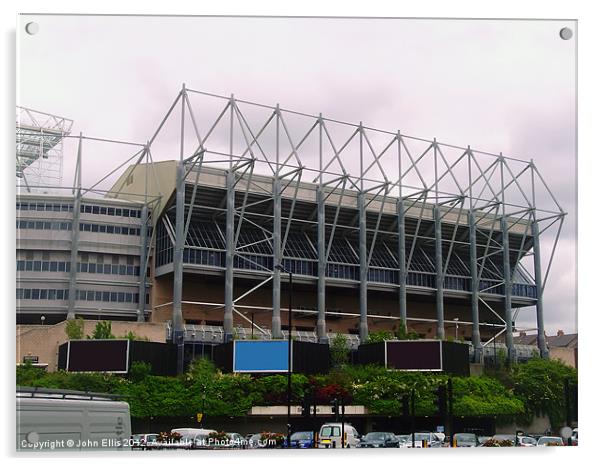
x=192, y=438
x=144, y=441
x=254, y=441
x=547, y=441
x=526, y=441
x=301, y=440
x=483, y=438
x=379, y=440
x=432, y=440
x=465, y=439
x=404, y=440
x=330, y=436
x=236, y=441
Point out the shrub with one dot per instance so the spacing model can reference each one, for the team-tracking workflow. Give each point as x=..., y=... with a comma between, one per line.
x=379, y=336
x=74, y=328
x=102, y=331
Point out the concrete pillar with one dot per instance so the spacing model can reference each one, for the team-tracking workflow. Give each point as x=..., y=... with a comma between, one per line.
x=439, y=270
x=230, y=246
x=143, y=263
x=361, y=205
x=178, y=254
x=277, y=246
x=508, y=289
x=541, y=337
x=74, y=253
x=321, y=324
x=474, y=274
x=401, y=254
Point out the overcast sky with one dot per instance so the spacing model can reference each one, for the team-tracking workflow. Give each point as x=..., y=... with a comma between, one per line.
x=500, y=86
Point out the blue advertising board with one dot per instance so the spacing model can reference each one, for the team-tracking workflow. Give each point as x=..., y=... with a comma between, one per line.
x=260, y=356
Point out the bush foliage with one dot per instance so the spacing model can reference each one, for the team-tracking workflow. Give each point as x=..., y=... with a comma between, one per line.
x=523, y=391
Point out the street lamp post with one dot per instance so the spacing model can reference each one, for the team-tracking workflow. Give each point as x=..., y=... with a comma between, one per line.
x=456, y=319
x=289, y=372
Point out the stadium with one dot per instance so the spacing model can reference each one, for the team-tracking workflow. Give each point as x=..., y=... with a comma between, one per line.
x=250, y=212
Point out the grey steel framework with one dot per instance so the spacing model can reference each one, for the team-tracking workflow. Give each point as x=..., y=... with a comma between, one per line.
x=464, y=220
x=494, y=194
x=40, y=147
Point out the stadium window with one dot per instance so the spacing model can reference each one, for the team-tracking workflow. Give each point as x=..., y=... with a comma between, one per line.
x=106, y=296
x=45, y=266
x=20, y=265
x=110, y=229
x=98, y=296
x=35, y=293
x=111, y=211
x=121, y=297
x=90, y=296
x=60, y=294
x=27, y=293
x=43, y=294
x=37, y=266
x=19, y=293
x=113, y=296
x=122, y=270
x=103, y=211
x=61, y=266
x=95, y=210
x=91, y=268
x=118, y=212
x=52, y=294
x=94, y=228
x=102, y=228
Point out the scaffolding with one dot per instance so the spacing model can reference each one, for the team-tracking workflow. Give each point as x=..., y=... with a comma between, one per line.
x=39, y=147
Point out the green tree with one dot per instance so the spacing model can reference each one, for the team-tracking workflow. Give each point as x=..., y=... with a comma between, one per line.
x=339, y=351
x=74, y=328
x=539, y=383
x=102, y=331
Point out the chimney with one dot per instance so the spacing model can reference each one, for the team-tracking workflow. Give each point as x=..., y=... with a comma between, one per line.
x=560, y=333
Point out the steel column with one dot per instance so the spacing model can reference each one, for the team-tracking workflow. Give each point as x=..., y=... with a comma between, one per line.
x=541, y=336
x=321, y=324
x=401, y=257
x=230, y=246
x=507, y=289
x=143, y=264
x=276, y=246
x=474, y=275
x=439, y=270
x=361, y=205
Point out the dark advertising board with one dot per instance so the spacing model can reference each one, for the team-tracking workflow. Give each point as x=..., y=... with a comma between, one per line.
x=117, y=356
x=97, y=356
x=414, y=355
x=417, y=355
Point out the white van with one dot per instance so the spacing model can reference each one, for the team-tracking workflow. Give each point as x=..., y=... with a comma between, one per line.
x=330, y=436
x=50, y=419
